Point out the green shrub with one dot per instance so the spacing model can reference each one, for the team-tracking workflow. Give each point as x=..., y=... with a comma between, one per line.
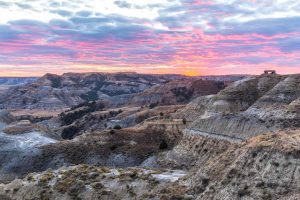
x=69, y=132
x=163, y=145
x=70, y=117
x=91, y=95
x=153, y=105
x=55, y=81
x=117, y=127
x=113, y=147
x=183, y=92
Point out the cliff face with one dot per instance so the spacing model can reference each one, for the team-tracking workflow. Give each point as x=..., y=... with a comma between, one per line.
x=226, y=148
x=248, y=107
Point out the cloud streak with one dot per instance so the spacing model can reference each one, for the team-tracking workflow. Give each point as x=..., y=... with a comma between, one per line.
x=180, y=36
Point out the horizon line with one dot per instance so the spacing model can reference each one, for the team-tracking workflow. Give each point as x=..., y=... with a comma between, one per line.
x=131, y=72
x=174, y=74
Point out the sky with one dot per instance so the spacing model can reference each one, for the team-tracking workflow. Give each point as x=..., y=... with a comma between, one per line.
x=191, y=37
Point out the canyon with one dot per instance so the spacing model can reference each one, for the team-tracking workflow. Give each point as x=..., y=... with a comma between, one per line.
x=132, y=136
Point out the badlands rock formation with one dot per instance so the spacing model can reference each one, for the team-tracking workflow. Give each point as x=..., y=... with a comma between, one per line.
x=16, y=80
x=123, y=147
x=8, y=82
x=115, y=147
x=177, y=92
x=53, y=92
x=58, y=92
x=248, y=107
x=242, y=143
x=264, y=167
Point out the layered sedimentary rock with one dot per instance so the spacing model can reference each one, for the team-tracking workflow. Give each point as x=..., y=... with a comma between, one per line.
x=54, y=92
x=58, y=92
x=11, y=81
x=265, y=167
x=248, y=107
x=32, y=152
x=177, y=92
x=242, y=143
x=193, y=150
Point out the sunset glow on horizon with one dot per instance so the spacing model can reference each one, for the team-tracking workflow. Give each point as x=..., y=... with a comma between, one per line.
x=190, y=37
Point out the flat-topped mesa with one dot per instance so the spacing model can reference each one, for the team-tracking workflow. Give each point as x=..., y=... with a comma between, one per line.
x=269, y=72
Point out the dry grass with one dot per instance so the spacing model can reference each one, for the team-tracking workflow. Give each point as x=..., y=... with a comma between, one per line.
x=286, y=141
x=35, y=112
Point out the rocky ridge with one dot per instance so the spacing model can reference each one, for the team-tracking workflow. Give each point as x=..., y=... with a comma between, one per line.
x=248, y=107
x=16, y=80
x=54, y=92
x=177, y=92
x=59, y=92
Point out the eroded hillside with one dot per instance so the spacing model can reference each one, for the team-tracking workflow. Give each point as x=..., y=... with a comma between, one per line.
x=54, y=92
x=241, y=143
x=265, y=167
x=59, y=92
x=248, y=107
